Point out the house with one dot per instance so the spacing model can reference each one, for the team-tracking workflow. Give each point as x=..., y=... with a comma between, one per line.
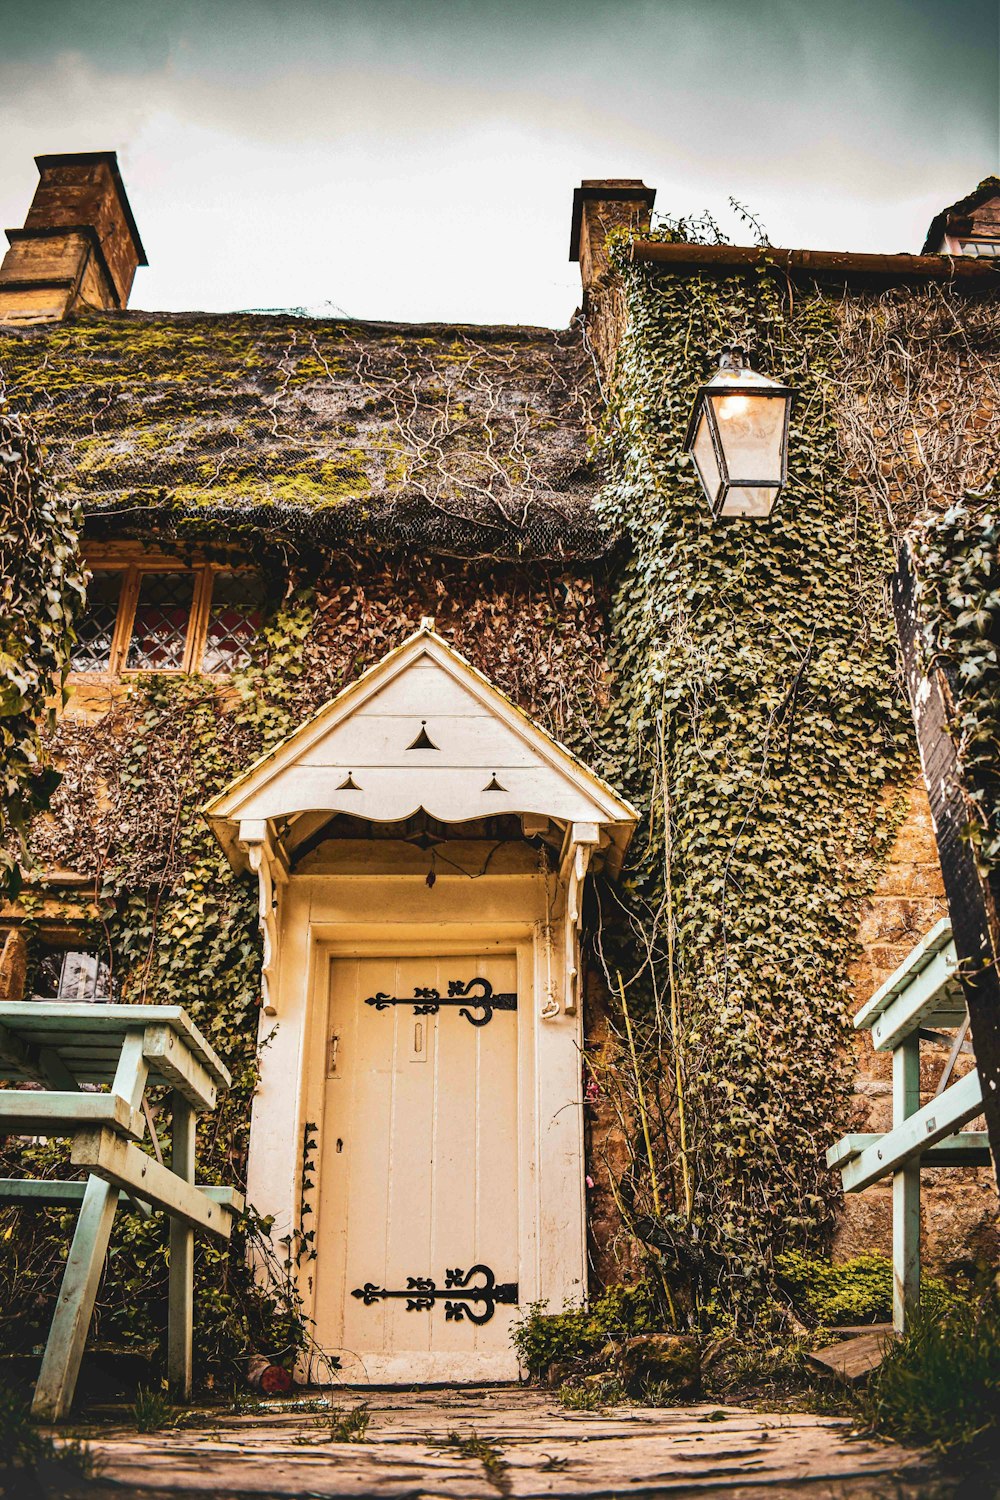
x=515, y=833
x=969, y=227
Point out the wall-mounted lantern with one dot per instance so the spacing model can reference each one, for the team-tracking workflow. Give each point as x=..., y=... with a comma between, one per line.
x=738, y=438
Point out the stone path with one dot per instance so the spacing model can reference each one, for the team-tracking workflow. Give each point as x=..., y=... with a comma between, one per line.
x=528, y=1446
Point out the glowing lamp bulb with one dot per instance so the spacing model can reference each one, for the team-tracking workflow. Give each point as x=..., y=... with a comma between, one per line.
x=732, y=407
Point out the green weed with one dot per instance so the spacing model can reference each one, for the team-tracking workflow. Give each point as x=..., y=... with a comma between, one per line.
x=347, y=1426
x=473, y=1446
x=152, y=1411
x=593, y=1396
x=940, y=1384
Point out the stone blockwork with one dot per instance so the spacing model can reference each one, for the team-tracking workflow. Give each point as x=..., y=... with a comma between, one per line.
x=959, y=1219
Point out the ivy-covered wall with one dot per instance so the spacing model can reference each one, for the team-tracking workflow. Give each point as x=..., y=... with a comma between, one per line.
x=41, y=587
x=759, y=724
x=762, y=728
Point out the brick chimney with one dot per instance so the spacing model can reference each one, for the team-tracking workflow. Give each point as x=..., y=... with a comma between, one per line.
x=79, y=247
x=598, y=207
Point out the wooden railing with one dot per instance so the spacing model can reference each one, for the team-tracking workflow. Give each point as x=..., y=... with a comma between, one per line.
x=923, y=995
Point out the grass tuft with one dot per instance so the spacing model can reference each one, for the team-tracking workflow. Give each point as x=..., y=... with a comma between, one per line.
x=347, y=1426
x=940, y=1384
x=152, y=1411
x=594, y=1395
x=472, y=1445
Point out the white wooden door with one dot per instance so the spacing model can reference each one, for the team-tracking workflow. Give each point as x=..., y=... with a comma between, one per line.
x=418, y=1170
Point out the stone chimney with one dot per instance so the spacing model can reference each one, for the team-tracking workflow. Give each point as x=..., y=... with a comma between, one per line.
x=79, y=247
x=598, y=207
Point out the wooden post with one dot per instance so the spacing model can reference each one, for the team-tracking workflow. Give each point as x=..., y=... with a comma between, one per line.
x=71, y=1320
x=82, y=1276
x=905, y=1189
x=180, y=1309
x=971, y=901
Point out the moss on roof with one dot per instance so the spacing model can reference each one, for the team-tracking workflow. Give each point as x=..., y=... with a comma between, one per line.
x=200, y=426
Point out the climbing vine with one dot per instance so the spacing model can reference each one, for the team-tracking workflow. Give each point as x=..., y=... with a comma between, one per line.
x=180, y=927
x=758, y=726
x=737, y=683
x=41, y=587
x=957, y=558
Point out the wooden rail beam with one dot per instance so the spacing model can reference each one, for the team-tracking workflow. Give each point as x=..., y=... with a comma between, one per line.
x=41, y=1112
x=180, y=1294
x=941, y=1118
x=47, y=1192
x=167, y=1055
x=968, y=1148
x=935, y=994
x=124, y=1165
x=78, y=1291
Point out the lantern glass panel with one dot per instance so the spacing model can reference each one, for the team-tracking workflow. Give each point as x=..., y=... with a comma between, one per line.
x=751, y=428
x=749, y=500
x=703, y=453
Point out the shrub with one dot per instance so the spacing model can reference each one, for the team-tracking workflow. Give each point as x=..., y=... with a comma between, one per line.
x=940, y=1384
x=856, y=1291
x=542, y=1338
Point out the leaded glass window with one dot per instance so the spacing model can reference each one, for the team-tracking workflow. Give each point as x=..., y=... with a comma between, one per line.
x=160, y=626
x=233, y=621
x=96, y=630
x=141, y=617
x=73, y=975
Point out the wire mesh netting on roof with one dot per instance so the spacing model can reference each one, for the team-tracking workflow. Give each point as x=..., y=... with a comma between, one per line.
x=468, y=440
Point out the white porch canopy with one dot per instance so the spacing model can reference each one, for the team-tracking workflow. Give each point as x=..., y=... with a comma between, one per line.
x=421, y=730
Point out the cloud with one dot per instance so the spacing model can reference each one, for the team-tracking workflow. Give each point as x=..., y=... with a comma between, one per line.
x=416, y=160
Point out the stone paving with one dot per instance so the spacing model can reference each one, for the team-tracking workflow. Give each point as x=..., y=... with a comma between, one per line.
x=481, y=1444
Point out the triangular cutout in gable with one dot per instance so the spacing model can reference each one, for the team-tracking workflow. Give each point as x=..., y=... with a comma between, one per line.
x=423, y=740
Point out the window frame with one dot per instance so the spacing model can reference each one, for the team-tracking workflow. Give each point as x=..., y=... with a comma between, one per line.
x=132, y=567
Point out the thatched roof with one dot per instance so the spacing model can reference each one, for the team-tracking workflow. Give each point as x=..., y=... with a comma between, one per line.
x=464, y=440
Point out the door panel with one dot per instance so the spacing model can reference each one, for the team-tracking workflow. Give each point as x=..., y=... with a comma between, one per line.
x=418, y=1171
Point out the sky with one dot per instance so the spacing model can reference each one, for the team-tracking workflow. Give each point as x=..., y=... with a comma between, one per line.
x=415, y=160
